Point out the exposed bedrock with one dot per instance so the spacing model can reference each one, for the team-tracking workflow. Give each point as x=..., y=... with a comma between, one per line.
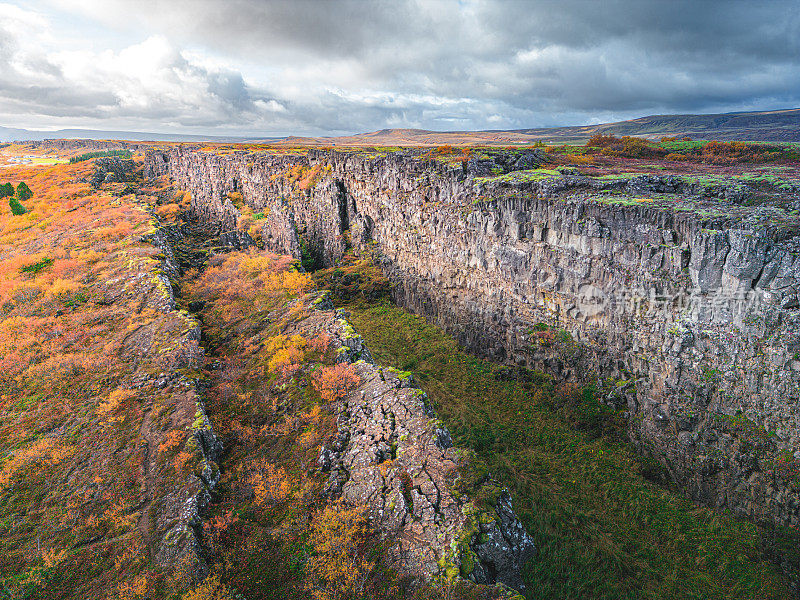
x=686, y=312
x=393, y=456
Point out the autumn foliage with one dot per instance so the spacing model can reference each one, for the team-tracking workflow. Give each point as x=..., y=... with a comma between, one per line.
x=340, y=567
x=333, y=383
x=671, y=148
x=77, y=327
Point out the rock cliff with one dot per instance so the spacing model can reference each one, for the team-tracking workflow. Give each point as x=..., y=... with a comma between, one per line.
x=677, y=298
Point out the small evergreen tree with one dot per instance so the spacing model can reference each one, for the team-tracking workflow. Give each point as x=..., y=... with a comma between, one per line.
x=23, y=192
x=16, y=207
x=6, y=190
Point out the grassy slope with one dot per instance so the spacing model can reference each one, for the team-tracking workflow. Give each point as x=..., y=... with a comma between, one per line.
x=602, y=530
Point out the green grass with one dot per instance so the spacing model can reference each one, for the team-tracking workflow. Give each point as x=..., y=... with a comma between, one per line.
x=38, y=266
x=602, y=530
x=521, y=176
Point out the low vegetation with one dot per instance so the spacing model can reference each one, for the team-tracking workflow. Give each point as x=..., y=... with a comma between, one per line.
x=100, y=154
x=685, y=149
x=602, y=527
x=271, y=384
x=80, y=339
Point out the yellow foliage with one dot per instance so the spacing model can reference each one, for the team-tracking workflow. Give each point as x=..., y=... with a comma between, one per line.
x=44, y=451
x=133, y=590
x=62, y=288
x=53, y=558
x=339, y=567
x=211, y=589
x=577, y=159
x=287, y=354
x=114, y=402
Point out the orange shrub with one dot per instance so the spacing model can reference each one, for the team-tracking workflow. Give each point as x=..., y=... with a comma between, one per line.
x=599, y=140
x=168, y=212
x=309, y=177
x=321, y=343
x=333, y=383
x=629, y=146
x=271, y=484
x=577, y=159
x=173, y=439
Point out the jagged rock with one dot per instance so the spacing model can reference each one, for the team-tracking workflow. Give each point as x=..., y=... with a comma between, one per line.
x=502, y=544
x=487, y=259
x=172, y=519
x=391, y=456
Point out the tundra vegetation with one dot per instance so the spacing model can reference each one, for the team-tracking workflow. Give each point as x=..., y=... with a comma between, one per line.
x=85, y=341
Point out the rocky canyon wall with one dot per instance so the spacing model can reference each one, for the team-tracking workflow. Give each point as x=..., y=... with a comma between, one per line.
x=677, y=299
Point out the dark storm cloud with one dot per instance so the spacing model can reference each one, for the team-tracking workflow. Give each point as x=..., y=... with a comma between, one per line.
x=350, y=65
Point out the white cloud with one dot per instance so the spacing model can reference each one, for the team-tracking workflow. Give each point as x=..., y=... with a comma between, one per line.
x=341, y=66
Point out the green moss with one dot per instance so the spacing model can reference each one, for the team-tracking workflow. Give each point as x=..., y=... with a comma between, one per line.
x=520, y=176
x=199, y=420
x=348, y=332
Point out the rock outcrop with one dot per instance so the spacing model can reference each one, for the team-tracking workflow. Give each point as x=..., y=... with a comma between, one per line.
x=111, y=169
x=680, y=299
x=172, y=516
x=394, y=457
x=72, y=144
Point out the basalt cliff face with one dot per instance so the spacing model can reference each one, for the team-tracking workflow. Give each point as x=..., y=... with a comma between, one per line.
x=678, y=298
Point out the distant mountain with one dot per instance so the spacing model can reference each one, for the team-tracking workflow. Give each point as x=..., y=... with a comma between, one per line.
x=9, y=134
x=767, y=126
x=773, y=126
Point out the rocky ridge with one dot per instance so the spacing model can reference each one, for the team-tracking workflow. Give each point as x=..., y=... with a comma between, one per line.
x=393, y=456
x=172, y=516
x=679, y=297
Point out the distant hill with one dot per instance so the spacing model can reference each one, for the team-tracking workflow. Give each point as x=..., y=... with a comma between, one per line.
x=766, y=126
x=772, y=126
x=10, y=134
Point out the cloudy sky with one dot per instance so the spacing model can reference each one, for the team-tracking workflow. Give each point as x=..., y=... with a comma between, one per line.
x=229, y=67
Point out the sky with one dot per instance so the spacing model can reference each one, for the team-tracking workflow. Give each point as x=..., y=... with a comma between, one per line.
x=248, y=67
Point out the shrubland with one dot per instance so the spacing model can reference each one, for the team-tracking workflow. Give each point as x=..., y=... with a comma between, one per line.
x=84, y=333
x=273, y=380
x=685, y=149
